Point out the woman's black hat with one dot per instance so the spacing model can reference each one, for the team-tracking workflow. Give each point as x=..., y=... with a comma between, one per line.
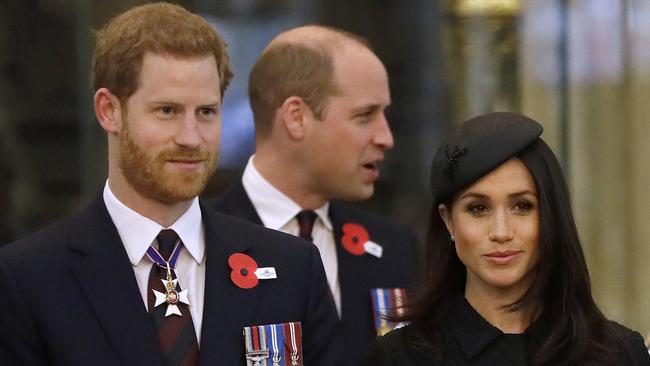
x=478, y=146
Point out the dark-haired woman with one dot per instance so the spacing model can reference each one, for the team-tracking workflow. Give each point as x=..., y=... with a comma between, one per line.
x=507, y=282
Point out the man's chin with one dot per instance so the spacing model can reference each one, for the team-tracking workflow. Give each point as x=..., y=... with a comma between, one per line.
x=174, y=195
x=361, y=194
x=177, y=187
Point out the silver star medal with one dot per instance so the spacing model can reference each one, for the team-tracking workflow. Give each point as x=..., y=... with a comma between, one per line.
x=171, y=296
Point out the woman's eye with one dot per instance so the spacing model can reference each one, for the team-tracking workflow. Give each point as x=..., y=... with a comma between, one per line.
x=524, y=207
x=477, y=209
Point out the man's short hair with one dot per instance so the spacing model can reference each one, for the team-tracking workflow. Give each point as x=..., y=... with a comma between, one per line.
x=294, y=68
x=159, y=28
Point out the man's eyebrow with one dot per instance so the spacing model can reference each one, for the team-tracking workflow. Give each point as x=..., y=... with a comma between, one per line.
x=370, y=107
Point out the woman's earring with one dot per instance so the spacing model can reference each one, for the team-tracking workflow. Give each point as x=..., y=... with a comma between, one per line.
x=452, y=237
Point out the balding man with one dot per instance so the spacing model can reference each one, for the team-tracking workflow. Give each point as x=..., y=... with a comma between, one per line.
x=318, y=97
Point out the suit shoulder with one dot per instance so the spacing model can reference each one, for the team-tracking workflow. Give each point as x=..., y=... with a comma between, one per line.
x=53, y=243
x=41, y=242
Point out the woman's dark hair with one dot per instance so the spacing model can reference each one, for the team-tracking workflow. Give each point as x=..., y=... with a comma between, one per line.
x=578, y=330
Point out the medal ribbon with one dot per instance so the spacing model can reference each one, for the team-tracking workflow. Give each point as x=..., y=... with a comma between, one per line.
x=399, y=297
x=255, y=340
x=386, y=302
x=399, y=294
x=379, y=295
x=275, y=343
x=293, y=330
x=155, y=256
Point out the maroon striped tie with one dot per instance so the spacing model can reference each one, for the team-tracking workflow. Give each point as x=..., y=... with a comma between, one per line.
x=176, y=334
x=306, y=223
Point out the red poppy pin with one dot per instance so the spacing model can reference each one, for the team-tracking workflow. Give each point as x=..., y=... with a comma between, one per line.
x=245, y=273
x=354, y=238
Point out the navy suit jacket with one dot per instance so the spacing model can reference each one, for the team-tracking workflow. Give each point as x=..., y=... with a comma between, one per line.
x=357, y=274
x=68, y=295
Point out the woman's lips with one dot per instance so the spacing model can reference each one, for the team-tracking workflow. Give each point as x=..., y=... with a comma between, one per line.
x=503, y=257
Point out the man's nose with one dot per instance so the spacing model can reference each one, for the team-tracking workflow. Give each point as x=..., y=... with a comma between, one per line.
x=383, y=137
x=188, y=134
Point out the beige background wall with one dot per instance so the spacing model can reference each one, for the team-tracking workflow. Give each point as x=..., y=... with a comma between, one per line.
x=609, y=138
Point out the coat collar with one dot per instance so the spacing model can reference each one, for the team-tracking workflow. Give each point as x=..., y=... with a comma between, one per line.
x=474, y=333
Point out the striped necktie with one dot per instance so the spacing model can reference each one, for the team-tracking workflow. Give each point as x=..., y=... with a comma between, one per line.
x=176, y=334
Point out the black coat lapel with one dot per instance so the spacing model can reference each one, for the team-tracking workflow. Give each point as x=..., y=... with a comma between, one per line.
x=235, y=202
x=108, y=282
x=226, y=307
x=352, y=277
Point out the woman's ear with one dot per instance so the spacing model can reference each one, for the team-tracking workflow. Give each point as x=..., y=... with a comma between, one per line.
x=107, y=110
x=445, y=214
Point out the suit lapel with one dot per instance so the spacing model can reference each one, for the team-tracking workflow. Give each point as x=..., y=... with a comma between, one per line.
x=346, y=262
x=108, y=282
x=226, y=307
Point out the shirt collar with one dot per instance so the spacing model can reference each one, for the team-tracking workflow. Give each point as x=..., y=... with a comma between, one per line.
x=274, y=207
x=138, y=232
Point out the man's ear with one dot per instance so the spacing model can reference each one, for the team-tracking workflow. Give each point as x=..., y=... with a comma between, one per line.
x=108, y=110
x=295, y=115
x=445, y=214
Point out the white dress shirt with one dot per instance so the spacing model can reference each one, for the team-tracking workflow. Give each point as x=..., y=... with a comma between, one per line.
x=138, y=233
x=278, y=212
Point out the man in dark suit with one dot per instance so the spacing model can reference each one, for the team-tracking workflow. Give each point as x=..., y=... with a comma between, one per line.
x=318, y=97
x=145, y=275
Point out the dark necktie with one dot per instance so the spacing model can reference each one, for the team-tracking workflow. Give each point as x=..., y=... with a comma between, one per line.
x=176, y=334
x=306, y=223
